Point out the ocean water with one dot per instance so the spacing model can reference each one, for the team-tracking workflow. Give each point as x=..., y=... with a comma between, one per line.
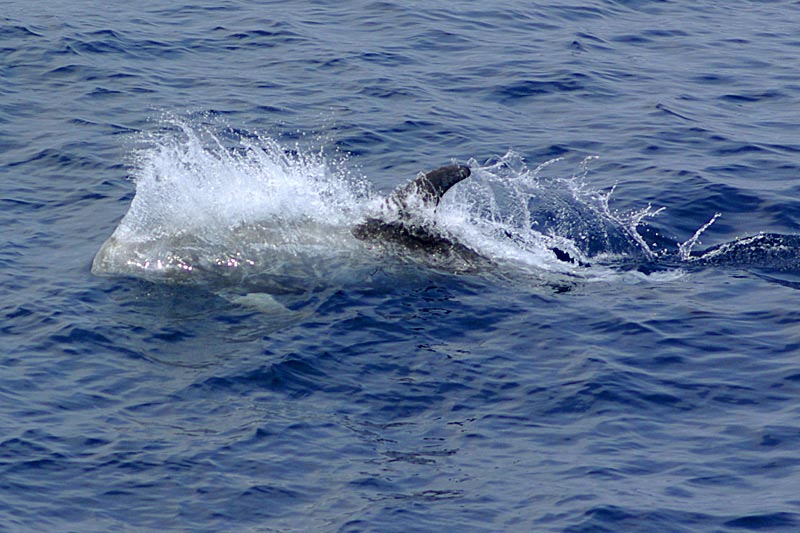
x=233, y=359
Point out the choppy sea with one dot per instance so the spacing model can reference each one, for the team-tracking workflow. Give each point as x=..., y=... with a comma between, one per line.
x=235, y=360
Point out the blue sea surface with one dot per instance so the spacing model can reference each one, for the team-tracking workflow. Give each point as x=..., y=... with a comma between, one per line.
x=323, y=384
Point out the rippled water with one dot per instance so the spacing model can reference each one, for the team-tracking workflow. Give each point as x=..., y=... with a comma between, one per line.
x=336, y=386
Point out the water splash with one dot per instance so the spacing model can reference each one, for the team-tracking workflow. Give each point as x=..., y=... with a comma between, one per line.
x=244, y=206
x=685, y=249
x=188, y=181
x=206, y=203
x=511, y=211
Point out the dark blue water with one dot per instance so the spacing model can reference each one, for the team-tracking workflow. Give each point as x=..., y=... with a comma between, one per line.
x=336, y=387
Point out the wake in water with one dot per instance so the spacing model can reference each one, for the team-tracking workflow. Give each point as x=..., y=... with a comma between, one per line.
x=283, y=220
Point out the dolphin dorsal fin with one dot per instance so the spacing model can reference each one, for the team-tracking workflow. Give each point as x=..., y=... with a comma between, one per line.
x=430, y=187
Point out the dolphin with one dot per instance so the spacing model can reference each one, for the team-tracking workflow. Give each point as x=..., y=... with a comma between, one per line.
x=400, y=227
